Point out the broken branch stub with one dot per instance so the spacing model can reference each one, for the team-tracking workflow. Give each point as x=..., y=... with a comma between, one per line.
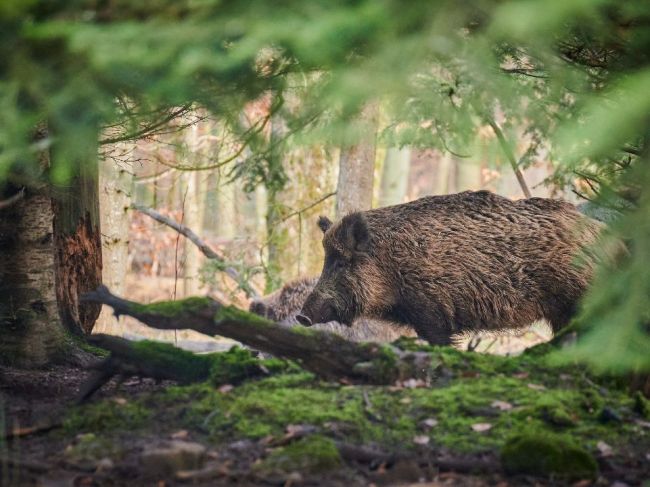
x=325, y=354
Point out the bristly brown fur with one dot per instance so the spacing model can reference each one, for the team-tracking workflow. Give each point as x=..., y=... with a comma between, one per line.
x=457, y=263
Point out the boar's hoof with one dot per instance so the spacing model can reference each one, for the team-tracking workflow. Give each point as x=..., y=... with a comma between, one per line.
x=304, y=320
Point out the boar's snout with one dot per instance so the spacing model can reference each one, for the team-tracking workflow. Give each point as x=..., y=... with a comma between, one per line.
x=317, y=310
x=304, y=320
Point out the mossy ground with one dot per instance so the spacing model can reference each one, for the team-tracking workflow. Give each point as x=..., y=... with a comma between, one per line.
x=522, y=395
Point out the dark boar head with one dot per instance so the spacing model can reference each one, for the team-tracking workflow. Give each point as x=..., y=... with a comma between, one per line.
x=351, y=282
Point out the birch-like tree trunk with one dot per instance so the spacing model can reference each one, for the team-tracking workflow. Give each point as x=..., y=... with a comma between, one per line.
x=30, y=326
x=441, y=181
x=357, y=167
x=468, y=175
x=395, y=176
x=115, y=197
x=274, y=230
x=226, y=221
x=50, y=254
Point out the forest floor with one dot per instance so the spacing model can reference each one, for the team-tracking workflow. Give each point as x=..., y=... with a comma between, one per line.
x=482, y=420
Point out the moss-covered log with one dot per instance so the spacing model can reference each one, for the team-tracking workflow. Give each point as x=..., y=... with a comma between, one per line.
x=163, y=361
x=328, y=356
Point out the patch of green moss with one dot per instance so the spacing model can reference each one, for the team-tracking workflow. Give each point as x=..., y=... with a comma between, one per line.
x=186, y=366
x=383, y=366
x=591, y=401
x=554, y=412
x=238, y=364
x=232, y=313
x=80, y=342
x=547, y=455
x=173, y=308
x=642, y=405
x=106, y=415
x=305, y=330
x=90, y=447
x=314, y=454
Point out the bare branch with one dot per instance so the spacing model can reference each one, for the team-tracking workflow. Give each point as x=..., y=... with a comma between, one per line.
x=510, y=155
x=12, y=200
x=153, y=177
x=632, y=150
x=532, y=73
x=310, y=206
x=250, y=133
x=205, y=249
x=149, y=129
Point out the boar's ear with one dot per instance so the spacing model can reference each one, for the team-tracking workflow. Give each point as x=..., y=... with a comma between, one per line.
x=324, y=223
x=356, y=234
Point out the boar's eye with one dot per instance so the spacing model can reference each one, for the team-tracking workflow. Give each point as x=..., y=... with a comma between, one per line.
x=334, y=261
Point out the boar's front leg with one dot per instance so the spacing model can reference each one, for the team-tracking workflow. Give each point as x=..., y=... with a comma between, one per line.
x=435, y=328
x=434, y=335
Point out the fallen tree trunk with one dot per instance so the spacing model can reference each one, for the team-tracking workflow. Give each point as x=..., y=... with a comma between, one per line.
x=326, y=355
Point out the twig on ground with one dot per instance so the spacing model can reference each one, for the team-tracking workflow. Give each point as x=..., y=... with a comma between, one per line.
x=37, y=429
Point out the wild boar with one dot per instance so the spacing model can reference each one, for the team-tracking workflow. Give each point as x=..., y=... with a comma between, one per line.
x=284, y=305
x=455, y=264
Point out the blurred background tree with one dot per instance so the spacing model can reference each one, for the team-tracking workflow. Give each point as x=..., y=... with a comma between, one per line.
x=275, y=93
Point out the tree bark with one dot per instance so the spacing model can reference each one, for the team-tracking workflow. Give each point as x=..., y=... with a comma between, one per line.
x=275, y=233
x=441, y=181
x=29, y=322
x=78, y=244
x=468, y=175
x=395, y=176
x=116, y=189
x=50, y=252
x=357, y=168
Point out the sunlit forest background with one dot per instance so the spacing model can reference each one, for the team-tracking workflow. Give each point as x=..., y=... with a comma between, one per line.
x=188, y=172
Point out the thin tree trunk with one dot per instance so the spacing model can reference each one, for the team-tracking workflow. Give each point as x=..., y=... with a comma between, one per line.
x=468, y=175
x=115, y=195
x=357, y=168
x=274, y=231
x=193, y=218
x=395, y=176
x=225, y=208
x=441, y=182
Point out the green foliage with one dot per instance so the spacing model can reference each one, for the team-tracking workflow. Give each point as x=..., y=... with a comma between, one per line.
x=314, y=454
